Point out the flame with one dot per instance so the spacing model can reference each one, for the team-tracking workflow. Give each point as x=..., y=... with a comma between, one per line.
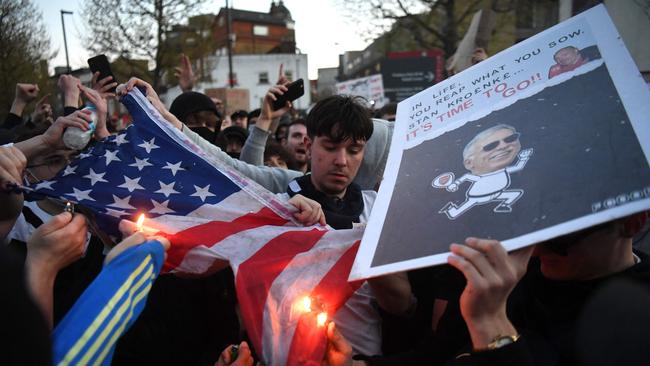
x=321, y=319
x=140, y=222
x=306, y=304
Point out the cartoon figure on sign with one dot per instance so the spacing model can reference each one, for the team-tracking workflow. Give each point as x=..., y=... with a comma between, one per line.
x=488, y=157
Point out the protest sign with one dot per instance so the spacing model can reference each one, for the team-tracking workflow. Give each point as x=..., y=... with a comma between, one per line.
x=545, y=138
x=371, y=88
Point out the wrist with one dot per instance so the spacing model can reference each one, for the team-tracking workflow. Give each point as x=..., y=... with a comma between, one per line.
x=71, y=98
x=264, y=123
x=39, y=268
x=485, y=331
x=18, y=106
x=33, y=146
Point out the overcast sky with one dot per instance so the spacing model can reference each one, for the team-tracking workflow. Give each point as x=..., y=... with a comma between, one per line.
x=321, y=30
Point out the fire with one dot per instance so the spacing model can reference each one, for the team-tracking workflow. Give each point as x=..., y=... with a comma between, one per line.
x=306, y=304
x=140, y=222
x=321, y=319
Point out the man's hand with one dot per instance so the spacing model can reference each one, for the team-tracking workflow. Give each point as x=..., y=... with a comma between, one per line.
x=185, y=74
x=153, y=98
x=53, y=136
x=479, y=55
x=69, y=86
x=339, y=352
x=12, y=165
x=102, y=109
x=268, y=114
x=53, y=246
x=244, y=357
x=25, y=93
x=58, y=242
x=309, y=211
x=491, y=275
x=135, y=239
x=282, y=79
x=103, y=86
x=43, y=111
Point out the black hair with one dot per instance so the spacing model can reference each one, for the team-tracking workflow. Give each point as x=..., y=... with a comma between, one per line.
x=275, y=149
x=298, y=121
x=239, y=114
x=340, y=117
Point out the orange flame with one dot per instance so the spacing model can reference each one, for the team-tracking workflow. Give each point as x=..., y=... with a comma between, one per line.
x=140, y=222
x=306, y=304
x=321, y=319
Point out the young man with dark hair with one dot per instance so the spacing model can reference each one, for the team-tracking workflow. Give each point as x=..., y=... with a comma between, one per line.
x=340, y=128
x=240, y=118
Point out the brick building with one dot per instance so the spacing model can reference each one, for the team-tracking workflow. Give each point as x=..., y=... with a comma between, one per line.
x=256, y=32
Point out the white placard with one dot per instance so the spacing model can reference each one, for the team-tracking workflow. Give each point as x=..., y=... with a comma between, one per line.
x=545, y=138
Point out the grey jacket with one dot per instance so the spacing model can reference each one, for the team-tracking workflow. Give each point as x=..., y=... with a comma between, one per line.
x=371, y=169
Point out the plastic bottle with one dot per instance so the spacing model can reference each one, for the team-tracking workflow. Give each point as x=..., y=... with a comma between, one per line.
x=76, y=138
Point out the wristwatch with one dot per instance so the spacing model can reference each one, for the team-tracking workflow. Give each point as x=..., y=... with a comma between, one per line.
x=502, y=340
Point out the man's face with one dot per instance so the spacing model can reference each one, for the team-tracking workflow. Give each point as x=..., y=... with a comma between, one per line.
x=47, y=166
x=334, y=164
x=567, y=56
x=241, y=122
x=585, y=256
x=219, y=104
x=276, y=161
x=493, y=152
x=296, y=143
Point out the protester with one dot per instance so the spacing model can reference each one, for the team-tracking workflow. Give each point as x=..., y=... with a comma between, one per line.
x=338, y=146
x=514, y=315
x=199, y=113
x=275, y=155
x=240, y=118
x=296, y=137
x=252, y=117
x=231, y=140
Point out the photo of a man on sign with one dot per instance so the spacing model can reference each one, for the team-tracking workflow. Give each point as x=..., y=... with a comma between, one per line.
x=488, y=157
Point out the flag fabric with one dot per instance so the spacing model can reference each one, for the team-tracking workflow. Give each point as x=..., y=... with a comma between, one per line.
x=214, y=216
x=108, y=307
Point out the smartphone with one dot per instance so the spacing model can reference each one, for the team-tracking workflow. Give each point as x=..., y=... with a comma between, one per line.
x=294, y=91
x=100, y=63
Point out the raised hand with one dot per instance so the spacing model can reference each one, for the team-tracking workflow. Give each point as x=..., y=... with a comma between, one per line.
x=185, y=74
x=99, y=102
x=103, y=86
x=491, y=275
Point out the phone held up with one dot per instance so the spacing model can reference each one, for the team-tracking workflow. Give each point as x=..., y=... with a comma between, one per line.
x=294, y=91
x=100, y=63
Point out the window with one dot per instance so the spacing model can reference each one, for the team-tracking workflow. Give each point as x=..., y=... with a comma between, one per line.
x=289, y=75
x=260, y=30
x=264, y=78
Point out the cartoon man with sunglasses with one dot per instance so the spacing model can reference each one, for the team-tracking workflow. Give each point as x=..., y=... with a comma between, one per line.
x=488, y=157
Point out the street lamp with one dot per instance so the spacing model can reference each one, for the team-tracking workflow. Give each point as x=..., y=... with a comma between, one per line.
x=65, y=41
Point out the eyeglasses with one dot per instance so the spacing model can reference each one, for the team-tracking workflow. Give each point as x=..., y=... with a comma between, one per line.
x=509, y=139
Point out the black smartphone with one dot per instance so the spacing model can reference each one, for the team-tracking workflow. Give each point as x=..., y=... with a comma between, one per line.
x=100, y=63
x=294, y=91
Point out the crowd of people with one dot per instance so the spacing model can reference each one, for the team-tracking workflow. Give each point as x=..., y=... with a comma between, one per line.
x=533, y=306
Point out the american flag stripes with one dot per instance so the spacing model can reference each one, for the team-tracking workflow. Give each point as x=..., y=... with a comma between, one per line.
x=214, y=216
